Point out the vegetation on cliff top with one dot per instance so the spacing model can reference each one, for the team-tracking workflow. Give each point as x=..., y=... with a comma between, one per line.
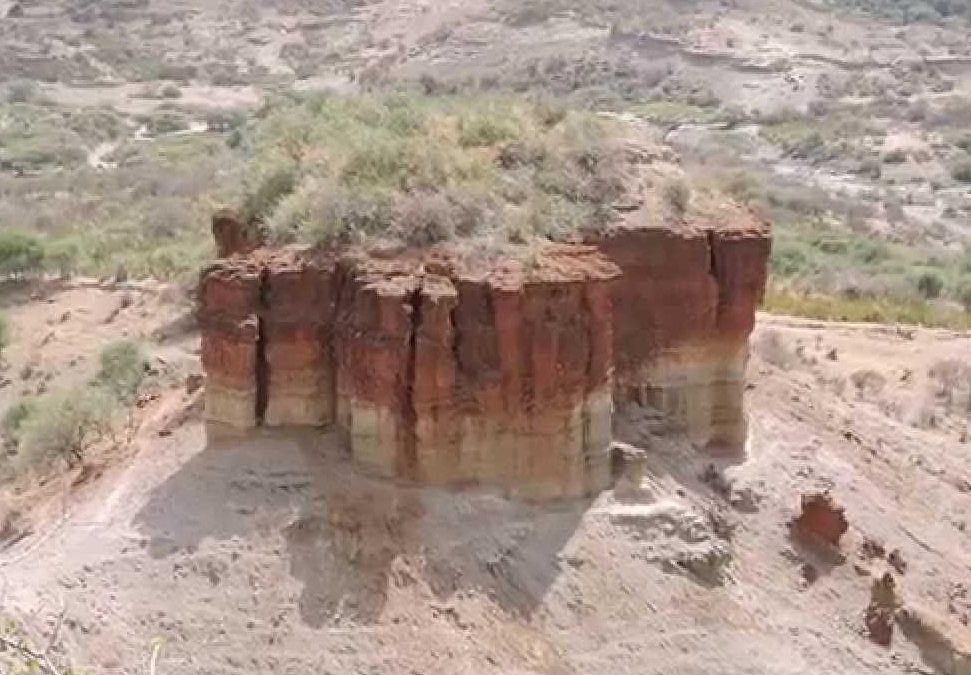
x=424, y=170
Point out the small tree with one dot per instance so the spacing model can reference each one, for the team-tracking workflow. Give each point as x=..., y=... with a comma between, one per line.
x=65, y=425
x=62, y=257
x=123, y=366
x=20, y=254
x=14, y=418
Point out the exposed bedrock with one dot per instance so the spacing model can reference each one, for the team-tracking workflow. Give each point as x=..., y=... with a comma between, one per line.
x=229, y=296
x=449, y=375
x=299, y=302
x=685, y=308
x=447, y=369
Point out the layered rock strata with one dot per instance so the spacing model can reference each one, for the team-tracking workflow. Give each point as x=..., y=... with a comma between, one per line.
x=686, y=306
x=229, y=305
x=446, y=369
x=431, y=369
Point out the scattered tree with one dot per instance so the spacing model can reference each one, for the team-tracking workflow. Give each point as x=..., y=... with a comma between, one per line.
x=20, y=254
x=65, y=425
x=123, y=368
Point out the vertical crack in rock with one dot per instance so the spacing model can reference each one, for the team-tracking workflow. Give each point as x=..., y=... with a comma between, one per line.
x=331, y=336
x=713, y=270
x=262, y=364
x=456, y=340
x=409, y=461
x=589, y=379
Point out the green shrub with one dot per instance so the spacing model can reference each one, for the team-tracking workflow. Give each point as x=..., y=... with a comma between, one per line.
x=64, y=425
x=487, y=129
x=897, y=156
x=20, y=254
x=41, y=147
x=930, y=285
x=164, y=122
x=123, y=368
x=964, y=293
x=424, y=170
x=62, y=257
x=790, y=259
x=961, y=172
x=830, y=307
x=15, y=416
x=266, y=186
x=327, y=213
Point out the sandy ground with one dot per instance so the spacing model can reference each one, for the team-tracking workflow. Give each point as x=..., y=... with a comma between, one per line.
x=59, y=328
x=269, y=554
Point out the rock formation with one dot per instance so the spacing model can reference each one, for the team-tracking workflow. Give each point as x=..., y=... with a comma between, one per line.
x=448, y=368
x=687, y=304
x=821, y=520
x=230, y=300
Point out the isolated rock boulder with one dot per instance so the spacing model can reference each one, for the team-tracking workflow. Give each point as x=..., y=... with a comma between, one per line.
x=821, y=520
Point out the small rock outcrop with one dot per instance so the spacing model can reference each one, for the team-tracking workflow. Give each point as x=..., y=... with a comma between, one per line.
x=449, y=367
x=821, y=520
x=879, y=615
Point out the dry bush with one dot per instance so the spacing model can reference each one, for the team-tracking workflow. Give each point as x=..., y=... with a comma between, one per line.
x=677, y=194
x=62, y=427
x=772, y=348
x=868, y=383
x=951, y=379
x=424, y=218
x=921, y=412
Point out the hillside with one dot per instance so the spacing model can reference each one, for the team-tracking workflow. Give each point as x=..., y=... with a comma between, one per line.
x=507, y=264
x=270, y=554
x=845, y=124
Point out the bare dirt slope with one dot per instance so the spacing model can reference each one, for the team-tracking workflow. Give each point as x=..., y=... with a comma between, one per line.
x=268, y=554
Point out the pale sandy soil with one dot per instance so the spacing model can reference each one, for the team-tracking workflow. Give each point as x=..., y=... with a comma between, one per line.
x=269, y=554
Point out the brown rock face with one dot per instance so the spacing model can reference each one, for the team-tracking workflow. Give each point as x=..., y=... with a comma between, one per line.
x=229, y=320
x=299, y=301
x=879, y=615
x=375, y=366
x=499, y=377
x=440, y=368
x=513, y=375
x=686, y=306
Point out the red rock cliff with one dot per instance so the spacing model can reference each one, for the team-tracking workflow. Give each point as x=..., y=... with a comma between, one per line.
x=443, y=369
x=685, y=307
x=229, y=319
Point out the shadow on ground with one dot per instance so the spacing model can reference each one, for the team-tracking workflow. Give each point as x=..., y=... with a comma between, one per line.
x=351, y=539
